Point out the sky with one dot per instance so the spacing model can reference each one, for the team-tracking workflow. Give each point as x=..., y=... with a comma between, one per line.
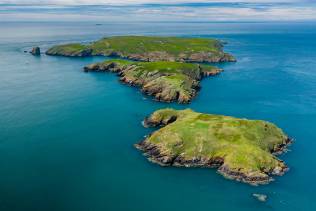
x=158, y=10
x=124, y=2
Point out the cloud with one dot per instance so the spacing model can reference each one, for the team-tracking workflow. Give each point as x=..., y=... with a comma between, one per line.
x=126, y=2
x=201, y=11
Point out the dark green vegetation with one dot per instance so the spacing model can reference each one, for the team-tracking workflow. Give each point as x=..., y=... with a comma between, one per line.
x=166, y=68
x=241, y=149
x=166, y=81
x=159, y=72
x=72, y=50
x=143, y=48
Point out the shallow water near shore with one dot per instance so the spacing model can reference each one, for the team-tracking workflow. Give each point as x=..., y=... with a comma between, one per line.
x=66, y=137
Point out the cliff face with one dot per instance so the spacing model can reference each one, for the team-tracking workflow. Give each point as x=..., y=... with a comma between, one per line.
x=241, y=149
x=165, y=71
x=165, y=81
x=142, y=48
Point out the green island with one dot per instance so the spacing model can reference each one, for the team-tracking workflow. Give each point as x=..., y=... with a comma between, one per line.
x=165, y=81
x=241, y=149
x=170, y=69
x=145, y=48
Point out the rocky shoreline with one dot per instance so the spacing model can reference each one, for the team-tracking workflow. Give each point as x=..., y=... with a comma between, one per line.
x=155, y=154
x=165, y=82
x=150, y=84
x=149, y=49
x=202, y=57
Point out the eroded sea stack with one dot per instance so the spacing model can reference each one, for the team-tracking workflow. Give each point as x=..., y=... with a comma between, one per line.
x=36, y=51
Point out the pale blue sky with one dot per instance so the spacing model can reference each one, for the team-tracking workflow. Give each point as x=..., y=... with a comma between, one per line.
x=124, y=2
x=158, y=10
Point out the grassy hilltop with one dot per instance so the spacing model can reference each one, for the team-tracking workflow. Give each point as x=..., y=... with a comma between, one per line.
x=142, y=48
x=241, y=149
x=166, y=81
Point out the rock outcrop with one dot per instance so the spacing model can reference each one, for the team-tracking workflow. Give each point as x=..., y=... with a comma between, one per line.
x=260, y=197
x=36, y=51
x=165, y=81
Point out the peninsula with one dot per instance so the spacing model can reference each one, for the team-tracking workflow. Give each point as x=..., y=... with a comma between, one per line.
x=145, y=48
x=165, y=81
x=241, y=149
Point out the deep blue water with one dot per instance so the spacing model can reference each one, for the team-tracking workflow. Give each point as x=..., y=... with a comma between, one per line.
x=66, y=137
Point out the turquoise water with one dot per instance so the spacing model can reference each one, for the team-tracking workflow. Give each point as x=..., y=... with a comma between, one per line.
x=66, y=137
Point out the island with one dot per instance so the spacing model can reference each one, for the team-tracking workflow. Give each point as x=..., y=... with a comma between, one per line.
x=241, y=149
x=146, y=48
x=168, y=68
x=165, y=81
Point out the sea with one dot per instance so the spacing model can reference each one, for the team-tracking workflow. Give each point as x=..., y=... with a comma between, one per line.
x=66, y=137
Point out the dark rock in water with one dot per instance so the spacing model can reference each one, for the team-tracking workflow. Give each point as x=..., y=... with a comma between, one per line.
x=260, y=197
x=25, y=51
x=36, y=51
